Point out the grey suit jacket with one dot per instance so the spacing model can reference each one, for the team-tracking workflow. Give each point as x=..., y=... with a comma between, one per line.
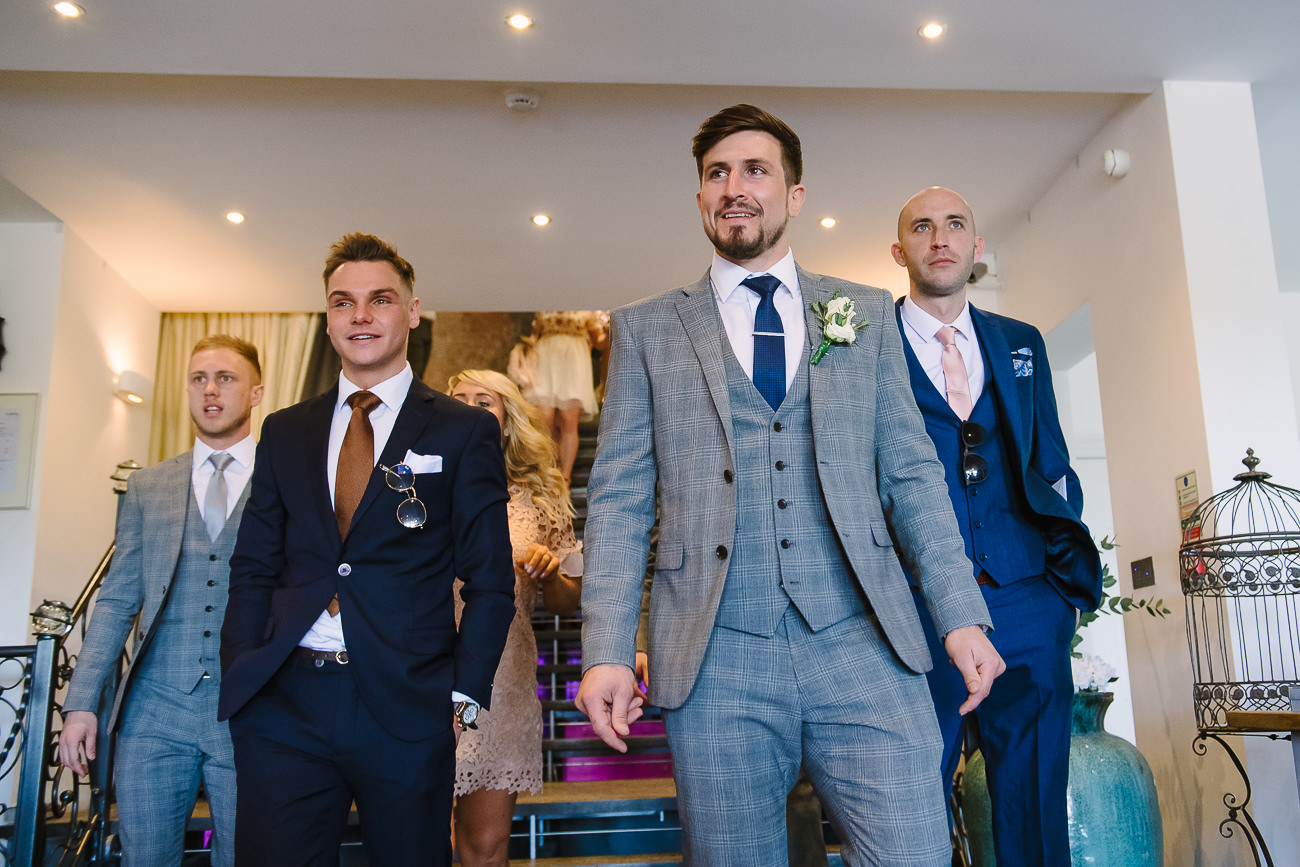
x=149, y=532
x=667, y=416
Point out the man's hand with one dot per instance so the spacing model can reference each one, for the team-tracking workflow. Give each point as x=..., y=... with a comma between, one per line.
x=973, y=654
x=80, y=728
x=610, y=699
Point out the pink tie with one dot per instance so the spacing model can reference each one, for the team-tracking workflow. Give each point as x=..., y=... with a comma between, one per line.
x=954, y=373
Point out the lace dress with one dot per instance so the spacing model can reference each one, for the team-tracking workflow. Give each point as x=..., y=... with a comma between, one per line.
x=505, y=751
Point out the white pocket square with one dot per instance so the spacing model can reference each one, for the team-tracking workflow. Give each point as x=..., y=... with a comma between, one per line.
x=423, y=463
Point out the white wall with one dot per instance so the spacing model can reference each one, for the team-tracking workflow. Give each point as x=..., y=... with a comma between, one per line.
x=1277, y=117
x=29, y=293
x=1180, y=282
x=103, y=326
x=1236, y=306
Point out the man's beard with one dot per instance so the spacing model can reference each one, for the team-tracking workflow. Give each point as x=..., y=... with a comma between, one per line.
x=733, y=244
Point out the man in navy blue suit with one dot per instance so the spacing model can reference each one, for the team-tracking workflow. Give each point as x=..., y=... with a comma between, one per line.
x=985, y=391
x=343, y=668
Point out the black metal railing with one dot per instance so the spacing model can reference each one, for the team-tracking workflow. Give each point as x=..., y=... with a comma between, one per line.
x=33, y=679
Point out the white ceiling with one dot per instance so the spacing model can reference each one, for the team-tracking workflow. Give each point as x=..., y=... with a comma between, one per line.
x=142, y=123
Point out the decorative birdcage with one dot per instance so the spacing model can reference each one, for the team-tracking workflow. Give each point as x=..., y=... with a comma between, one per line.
x=1239, y=566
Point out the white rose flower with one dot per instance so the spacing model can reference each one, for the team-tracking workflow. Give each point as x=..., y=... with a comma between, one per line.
x=841, y=306
x=841, y=333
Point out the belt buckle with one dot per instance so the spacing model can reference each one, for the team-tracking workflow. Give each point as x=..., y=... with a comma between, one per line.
x=341, y=656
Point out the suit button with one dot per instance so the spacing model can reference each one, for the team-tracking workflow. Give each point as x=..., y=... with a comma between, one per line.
x=984, y=558
x=207, y=633
x=722, y=552
x=345, y=570
x=786, y=543
x=781, y=504
x=207, y=607
x=212, y=583
x=727, y=476
x=780, y=465
x=776, y=426
x=212, y=556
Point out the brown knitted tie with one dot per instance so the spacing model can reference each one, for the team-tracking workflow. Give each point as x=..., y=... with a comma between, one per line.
x=356, y=462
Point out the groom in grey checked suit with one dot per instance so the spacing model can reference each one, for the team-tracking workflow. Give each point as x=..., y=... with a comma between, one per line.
x=171, y=568
x=782, y=629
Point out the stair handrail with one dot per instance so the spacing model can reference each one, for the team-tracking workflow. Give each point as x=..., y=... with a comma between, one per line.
x=47, y=790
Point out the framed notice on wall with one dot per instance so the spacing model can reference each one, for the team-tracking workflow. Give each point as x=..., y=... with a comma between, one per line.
x=17, y=449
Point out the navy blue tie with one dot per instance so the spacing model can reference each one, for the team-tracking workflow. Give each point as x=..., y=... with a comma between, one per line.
x=769, y=341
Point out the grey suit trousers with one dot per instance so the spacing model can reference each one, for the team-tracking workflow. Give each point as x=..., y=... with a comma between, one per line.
x=161, y=759
x=837, y=701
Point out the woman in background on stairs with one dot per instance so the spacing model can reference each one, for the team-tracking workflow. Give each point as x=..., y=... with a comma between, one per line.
x=503, y=755
x=563, y=384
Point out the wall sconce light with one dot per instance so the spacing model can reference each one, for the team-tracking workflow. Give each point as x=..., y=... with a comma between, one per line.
x=133, y=388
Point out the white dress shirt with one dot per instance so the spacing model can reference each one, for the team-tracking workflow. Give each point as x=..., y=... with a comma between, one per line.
x=738, y=304
x=327, y=632
x=238, y=471
x=919, y=327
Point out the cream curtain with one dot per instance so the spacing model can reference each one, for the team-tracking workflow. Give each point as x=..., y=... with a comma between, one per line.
x=284, y=343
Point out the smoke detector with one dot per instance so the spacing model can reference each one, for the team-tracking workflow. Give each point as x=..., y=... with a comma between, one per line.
x=521, y=100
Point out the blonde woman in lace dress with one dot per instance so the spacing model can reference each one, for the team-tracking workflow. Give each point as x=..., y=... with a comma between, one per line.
x=503, y=756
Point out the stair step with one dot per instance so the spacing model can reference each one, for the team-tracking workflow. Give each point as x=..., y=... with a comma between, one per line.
x=601, y=861
x=598, y=796
x=587, y=746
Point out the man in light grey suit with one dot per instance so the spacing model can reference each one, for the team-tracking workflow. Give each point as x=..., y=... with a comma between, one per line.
x=175, y=535
x=794, y=471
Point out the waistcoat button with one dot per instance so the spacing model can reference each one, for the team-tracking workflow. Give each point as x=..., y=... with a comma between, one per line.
x=786, y=543
x=722, y=552
x=780, y=465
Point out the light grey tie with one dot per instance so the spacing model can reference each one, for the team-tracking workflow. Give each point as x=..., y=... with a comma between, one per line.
x=214, y=501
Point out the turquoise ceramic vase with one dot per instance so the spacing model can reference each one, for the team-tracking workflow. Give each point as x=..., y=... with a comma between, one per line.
x=1113, y=809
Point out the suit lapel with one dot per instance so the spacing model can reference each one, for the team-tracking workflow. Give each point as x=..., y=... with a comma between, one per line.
x=819, y=393
x=315, y=450
x=177, y=490
x=1007, y=392
x=411, y=420
x=704, y=329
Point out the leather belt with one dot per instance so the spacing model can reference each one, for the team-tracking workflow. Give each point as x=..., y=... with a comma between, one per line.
x=318, y=658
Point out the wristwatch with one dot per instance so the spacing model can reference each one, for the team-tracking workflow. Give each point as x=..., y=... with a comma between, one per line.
x=466, y=712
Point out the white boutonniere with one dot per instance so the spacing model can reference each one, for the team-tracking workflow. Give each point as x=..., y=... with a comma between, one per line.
x=835, y=318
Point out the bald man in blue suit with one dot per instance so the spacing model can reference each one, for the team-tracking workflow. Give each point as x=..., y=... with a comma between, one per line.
x=985, y=391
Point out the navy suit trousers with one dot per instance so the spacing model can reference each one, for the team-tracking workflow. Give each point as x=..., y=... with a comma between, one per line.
x=1023, y=725
x=306, y=748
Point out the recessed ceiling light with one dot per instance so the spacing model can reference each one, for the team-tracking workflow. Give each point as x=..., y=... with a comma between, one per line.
x=541, y=220
x=828, y=222
x=235, y=217
x=520, y=21
x=933, y=30
x=69, y=10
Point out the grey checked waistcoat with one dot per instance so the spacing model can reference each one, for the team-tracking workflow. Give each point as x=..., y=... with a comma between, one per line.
x=785, y=550
x=186, y=639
